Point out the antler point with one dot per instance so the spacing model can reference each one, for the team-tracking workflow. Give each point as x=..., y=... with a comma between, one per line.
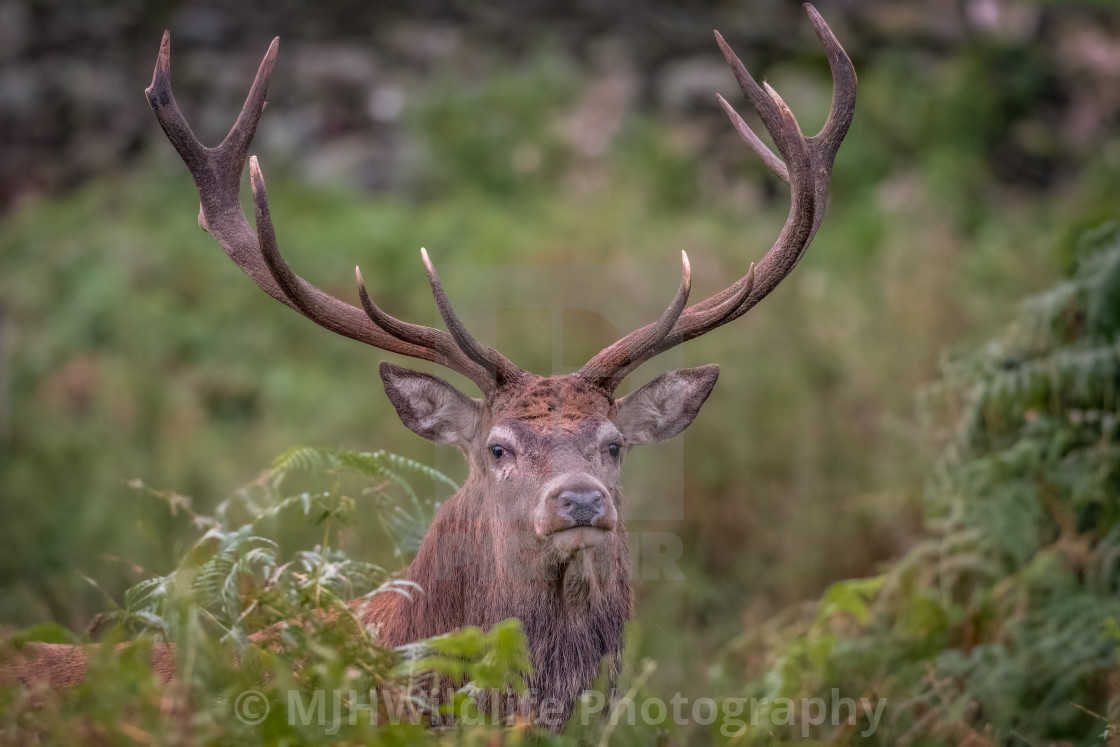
x=162, y=73
x=256, y=179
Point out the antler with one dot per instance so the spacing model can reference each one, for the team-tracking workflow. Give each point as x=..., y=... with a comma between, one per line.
x=805, y=163
x=217, y=176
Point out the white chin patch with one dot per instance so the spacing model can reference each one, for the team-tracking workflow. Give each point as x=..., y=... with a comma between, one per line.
x=578, y=538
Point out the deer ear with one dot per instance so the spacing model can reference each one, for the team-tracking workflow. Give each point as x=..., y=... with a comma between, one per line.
x=665, y=406
x=429, y=406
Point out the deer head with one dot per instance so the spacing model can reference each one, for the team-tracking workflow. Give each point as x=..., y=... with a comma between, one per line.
x=540, y=513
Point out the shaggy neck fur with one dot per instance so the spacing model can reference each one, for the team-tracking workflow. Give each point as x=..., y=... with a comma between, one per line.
x=476, y=571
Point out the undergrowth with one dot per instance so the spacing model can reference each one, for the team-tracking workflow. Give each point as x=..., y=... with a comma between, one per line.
x=234, y=584
x=1000, y=627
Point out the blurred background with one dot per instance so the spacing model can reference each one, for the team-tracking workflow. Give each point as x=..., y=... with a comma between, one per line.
x=580, y=134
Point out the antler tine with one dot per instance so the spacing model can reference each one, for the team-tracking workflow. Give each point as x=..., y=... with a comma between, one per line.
x=325, y=310
x=611, y=365
x=416, y=334
x=298, y=297
x=397, y=328
x=215, y=170
x=805, y=163
x=217, y=176
x=240, y=136
x=843, y=89
x=162, y=101
x=756, y=144
x=610, y=378
x=490, y=359
x=826, y=143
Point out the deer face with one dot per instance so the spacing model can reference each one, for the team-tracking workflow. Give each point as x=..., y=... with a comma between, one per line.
x=549, y=450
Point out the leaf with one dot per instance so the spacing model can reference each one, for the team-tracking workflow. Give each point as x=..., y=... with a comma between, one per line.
x=851, y=597
x=43, y=633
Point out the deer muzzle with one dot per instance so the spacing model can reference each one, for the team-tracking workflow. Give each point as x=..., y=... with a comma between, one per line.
x=576, y=514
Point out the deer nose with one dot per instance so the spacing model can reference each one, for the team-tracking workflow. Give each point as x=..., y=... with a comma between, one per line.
x=581, y=507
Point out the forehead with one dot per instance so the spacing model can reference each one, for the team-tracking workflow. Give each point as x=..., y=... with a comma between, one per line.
x=556, y=405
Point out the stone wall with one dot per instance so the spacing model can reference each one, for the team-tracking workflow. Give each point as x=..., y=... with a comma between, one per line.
x=72, y=73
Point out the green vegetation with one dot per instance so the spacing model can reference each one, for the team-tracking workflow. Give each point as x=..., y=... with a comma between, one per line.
x=135, y=354
x=235, y=581
x=1000, y=625
x=1003, y=623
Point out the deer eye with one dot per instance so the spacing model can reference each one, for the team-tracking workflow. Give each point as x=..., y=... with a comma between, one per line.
x=497, y=451
x=614, y=450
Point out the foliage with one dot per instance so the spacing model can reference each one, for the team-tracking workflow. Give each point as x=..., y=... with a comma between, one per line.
x=129, y=346
x=1000, y=626
x=269, y=646
x=497, y=138
x=223, y=607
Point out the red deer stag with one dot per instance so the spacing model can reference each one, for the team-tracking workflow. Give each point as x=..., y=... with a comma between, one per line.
x=536, y=532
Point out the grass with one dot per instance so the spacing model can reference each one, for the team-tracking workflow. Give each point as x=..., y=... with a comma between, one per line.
x=134, y=350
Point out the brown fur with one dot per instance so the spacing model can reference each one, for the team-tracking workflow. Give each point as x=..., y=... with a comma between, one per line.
x=565, y=401
x=490, y=554
x=60, y=665
x=477, y=567
x=573, y=613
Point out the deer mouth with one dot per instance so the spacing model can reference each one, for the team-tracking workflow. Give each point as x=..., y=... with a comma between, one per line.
x=574, y=539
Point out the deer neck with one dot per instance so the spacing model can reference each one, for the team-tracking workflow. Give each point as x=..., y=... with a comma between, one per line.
x=475, y=571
